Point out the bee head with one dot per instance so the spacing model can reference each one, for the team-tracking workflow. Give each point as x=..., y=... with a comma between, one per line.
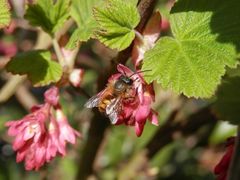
x=126, y=80
x=122, y=83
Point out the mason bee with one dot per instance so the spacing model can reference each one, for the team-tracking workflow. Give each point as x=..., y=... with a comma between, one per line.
x=110, y=100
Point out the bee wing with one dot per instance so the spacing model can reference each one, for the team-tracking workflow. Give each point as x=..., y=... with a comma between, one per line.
x=112, y=110
x=94, y=101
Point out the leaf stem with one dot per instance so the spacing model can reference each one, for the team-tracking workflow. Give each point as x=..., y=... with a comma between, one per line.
x=139, y=36
x=233, y=172
x=142, y=40
x=58, y=51
x=71, y=61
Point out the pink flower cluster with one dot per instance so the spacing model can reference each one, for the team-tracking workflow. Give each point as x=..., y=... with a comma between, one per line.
x=42, y=134
x=136, y=111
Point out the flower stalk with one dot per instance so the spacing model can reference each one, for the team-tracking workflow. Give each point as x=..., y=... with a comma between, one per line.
x=58, y=51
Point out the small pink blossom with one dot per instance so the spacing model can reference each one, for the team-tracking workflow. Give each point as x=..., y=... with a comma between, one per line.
x=136, y=111
x=76, y=76
x=51, y=96
x=67, y=133
x=68, y=56
x=8, y=49
x=42, y=134
x=148, y=38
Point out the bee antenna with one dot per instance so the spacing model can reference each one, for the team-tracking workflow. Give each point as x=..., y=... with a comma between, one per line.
x=137, y=72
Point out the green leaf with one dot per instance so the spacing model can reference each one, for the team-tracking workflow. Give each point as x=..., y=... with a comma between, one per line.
x=82, y=13
x=37, y=65
x=206, y=37
x=134, y=2
x=48, y=15
x=228, y=100
x=116, y=22
x=5, y=15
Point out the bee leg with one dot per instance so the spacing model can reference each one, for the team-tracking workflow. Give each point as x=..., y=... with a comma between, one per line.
x=102, y=106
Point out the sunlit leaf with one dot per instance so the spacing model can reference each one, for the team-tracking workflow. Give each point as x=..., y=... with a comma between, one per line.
x=5, y=15
x=37, y=65
x=206, y=37
x=82, y=13
x=48, y=15
x=116, y=22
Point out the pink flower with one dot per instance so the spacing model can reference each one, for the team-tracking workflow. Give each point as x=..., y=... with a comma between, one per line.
x=147, y=39
x=8, y=49
x=76, y=76
x=51, y=96
x=221, y=168
x=66, y=132
x=138, y=110
x=41, y=135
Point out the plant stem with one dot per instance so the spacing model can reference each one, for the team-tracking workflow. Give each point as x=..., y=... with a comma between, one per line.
x=25, y=97
x=142, y=40
x=140, y=36
x=96, y=133
x=145, y=8
x=58, y=52
x=72, y=59
x=234, y=170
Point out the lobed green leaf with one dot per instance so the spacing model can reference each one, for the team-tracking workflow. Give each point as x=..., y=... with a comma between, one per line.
x=206, y=39
x=48, y=15
x=37, y=65
x=5, y=15
x=116, y=22
x=82, y=13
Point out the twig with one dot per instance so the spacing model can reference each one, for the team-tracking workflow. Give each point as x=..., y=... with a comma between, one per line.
x=10, y=87
x=100, y=123
x=25, y=97
x=145, y=8
x=234, y=170
x=4, y=61
x=96, y=132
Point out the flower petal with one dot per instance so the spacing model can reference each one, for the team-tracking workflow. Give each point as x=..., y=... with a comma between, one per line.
x=139, y=129
x=124, y=70
x=52, y=96
x=153, y=118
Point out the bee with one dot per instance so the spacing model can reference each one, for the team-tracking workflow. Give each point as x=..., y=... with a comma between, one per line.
x=110, y=100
